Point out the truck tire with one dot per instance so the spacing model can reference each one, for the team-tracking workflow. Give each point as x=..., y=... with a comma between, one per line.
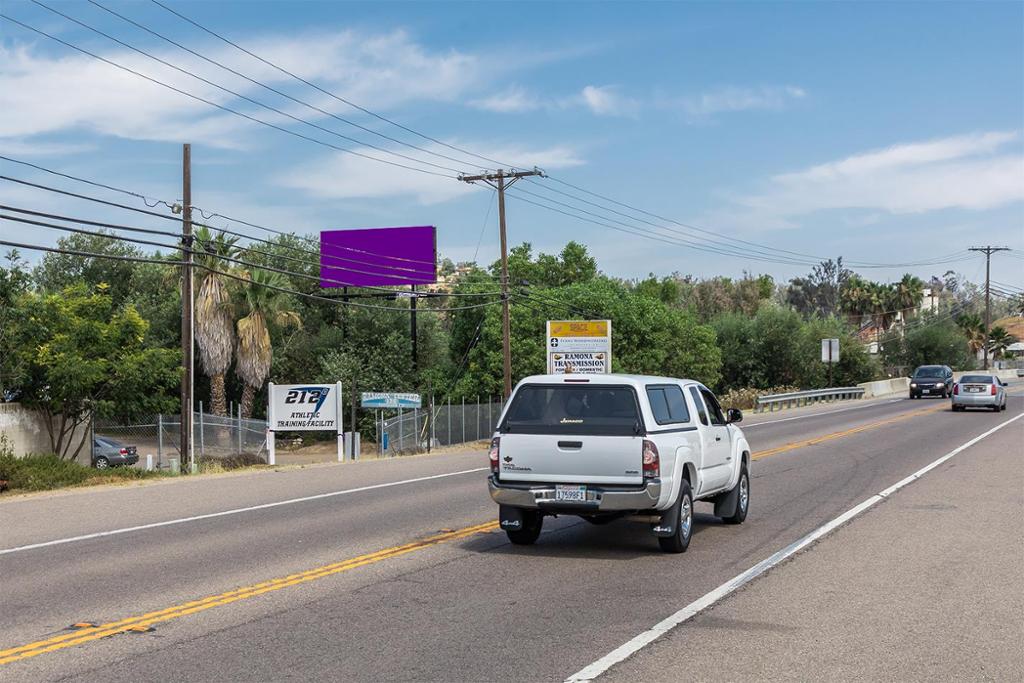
x=532, y=523
x=680, y=540
x=742, y=498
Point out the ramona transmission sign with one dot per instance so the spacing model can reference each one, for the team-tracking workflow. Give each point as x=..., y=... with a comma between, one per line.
x=581, y=347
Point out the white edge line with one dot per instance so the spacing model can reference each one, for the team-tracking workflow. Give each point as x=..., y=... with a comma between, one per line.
x=828, y=412
x=624, y=651
x=236, y=511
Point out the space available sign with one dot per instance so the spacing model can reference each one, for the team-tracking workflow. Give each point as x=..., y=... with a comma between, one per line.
x=305, y=407
x=579, y=346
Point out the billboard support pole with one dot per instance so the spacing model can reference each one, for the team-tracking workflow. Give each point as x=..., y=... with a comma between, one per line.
x=412, y=330
x=501, y=181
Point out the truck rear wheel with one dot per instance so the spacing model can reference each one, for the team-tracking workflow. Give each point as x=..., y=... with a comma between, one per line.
x=532, y=523
x=680, y=539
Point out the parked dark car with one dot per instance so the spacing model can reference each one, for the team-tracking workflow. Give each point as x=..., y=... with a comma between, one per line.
x=931, y=380
x=109, y=453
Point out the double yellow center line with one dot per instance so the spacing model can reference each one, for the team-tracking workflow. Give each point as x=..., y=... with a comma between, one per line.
x=144, y=621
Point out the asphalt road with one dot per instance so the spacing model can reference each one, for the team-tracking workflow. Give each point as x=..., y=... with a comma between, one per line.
x=394, y=572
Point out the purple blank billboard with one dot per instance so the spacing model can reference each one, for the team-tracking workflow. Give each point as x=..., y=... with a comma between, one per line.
x=375, y=257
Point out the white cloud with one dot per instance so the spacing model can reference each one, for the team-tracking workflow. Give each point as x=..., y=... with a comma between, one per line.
x=606, y=100
x=978, y=171
x=42, y=93
x=733, y=99
x=344, y=176
x=514, y=99
x=19, y=147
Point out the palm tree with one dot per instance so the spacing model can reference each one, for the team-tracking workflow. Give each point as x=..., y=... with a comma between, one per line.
x=998, y=340
x=908, y=293
x=881, y=303
x=214, y=325
x=974, y=329
x=264, y=304
x=855, y=297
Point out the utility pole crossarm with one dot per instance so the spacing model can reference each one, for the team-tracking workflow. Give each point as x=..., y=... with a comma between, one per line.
x=500, y=181
x=988, y=251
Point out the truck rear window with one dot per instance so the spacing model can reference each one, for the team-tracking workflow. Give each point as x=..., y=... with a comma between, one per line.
x=562, y=409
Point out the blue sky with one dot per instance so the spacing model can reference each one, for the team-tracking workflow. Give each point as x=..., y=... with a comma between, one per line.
x=885, y=133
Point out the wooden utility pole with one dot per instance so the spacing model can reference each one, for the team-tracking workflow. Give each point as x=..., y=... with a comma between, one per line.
x=187, y=332
x=988, y=251
x=500, y=181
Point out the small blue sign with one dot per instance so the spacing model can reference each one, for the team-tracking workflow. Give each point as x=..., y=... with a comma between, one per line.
x=385, y=400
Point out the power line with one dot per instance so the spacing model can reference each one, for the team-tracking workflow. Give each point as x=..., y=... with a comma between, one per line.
x=105, y=202
x=230, y=276
x=205, y=252
x=324, y=91
x=219, y=106
x=275, y=90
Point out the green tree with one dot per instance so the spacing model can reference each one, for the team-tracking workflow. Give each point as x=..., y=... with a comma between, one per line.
x=819, y=293
x=57, y=271
x=214, y=325
x=264, y=305
x=648, y=337
x=907, y=294
x=14, y=283
x=937, y=342
x=83, y=357
x=998, y=339
x=973, y=329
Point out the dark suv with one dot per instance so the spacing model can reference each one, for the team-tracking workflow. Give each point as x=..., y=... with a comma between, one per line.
x=931, y=380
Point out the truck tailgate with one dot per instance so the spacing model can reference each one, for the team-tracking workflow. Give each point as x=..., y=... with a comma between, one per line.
x=571, y=459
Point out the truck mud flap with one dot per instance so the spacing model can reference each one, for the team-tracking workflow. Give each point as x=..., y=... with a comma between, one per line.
x=668, y=524
x=725, y=504
x=510, y=518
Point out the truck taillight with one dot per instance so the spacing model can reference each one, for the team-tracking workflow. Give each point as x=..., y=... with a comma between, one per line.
x=494, y=453
x=956, y=389
x=124, y=451
x=993, y=389
x=652, y=463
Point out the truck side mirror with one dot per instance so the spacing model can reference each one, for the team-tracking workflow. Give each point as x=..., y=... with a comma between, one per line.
x=733, y=415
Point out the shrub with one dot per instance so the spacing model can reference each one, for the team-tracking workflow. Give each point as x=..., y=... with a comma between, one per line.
x=44, y=472
x=744, y=399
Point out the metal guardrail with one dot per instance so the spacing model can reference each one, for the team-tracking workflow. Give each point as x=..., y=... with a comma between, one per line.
x=802, y=398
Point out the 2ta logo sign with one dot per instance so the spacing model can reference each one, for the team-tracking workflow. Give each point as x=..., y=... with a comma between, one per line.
x=307, y=395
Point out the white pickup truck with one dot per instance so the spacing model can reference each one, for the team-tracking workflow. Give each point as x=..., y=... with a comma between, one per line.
x=609, y=446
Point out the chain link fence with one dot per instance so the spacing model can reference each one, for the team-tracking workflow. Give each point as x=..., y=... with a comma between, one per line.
x=416, y=431
x=214, y=437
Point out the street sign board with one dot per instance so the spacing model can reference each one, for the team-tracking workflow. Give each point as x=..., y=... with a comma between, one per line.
x=384, y=399
x=303, y=408
x=829, y=350
x=579, y=347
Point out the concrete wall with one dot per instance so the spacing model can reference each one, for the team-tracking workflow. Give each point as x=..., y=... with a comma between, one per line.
x=26, y=430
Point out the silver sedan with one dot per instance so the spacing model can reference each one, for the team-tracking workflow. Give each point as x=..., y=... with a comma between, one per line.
x=979, y=391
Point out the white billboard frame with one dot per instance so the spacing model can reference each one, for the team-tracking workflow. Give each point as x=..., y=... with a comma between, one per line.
x=591, y=348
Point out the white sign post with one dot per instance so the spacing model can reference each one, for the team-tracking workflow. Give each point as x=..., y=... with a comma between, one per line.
x=579, y=347
x=830, y=355
x=304, y=408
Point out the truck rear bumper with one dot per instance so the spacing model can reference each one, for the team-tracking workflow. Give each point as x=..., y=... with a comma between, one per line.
x=600, y=498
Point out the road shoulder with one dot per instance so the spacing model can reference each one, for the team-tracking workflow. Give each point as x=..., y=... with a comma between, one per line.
x=932, y=571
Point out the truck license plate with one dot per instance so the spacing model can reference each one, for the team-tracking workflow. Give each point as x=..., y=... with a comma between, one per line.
x=576, y=494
